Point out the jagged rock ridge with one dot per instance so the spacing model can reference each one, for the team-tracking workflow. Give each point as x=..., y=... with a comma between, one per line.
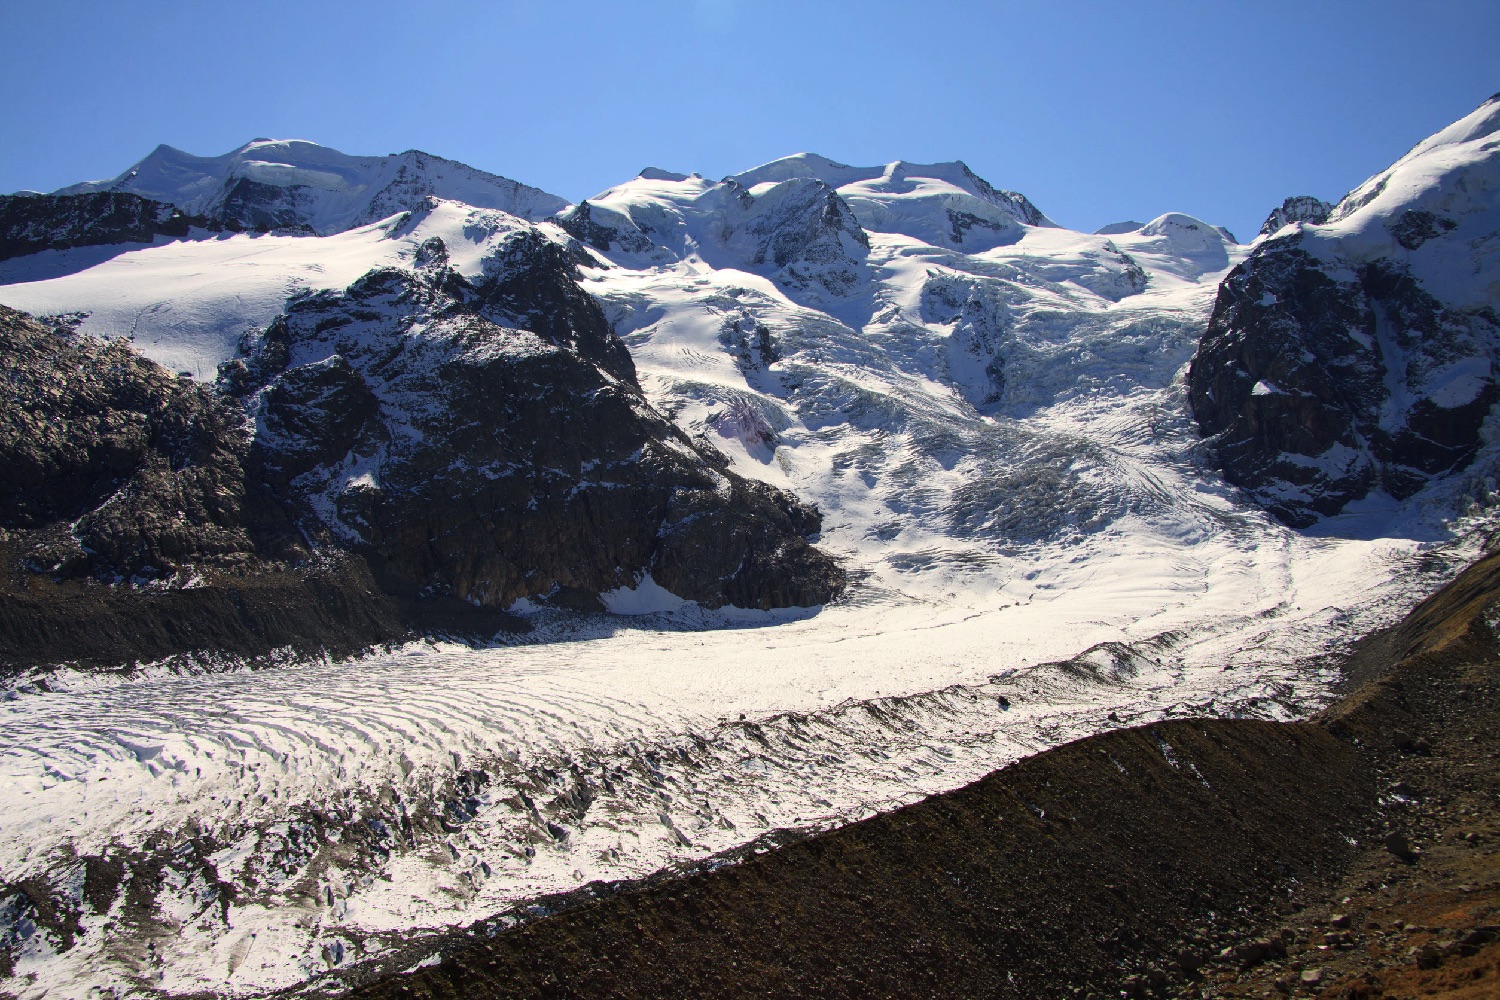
x=1298, y=208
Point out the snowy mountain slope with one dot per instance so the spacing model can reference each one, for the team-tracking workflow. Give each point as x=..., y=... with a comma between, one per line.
x=913, y=397
x=292, y=184
x=799, y=231
x=1358, y=357
x=996, y=431
x=944, y=204
x=186, y=305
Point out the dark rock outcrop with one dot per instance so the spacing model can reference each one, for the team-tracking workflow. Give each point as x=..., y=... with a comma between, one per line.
x=1316, y=385
x=249, y=204
x=605, y=231
x=31, y=223
x=114, y=469
x=1298, y=208
x=486, y=439
x=130, y=532
x=1359, y=354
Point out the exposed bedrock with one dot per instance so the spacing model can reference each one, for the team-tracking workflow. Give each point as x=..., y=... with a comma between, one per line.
x=1298, y=208
x=487, y=439
x=30, y=223
x=117, y=470
x=1318, y=383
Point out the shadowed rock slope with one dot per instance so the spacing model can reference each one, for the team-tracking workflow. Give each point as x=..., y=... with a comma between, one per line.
x=1186, y=858
x=31, y=223
x=487, y=439
x=1354, y=352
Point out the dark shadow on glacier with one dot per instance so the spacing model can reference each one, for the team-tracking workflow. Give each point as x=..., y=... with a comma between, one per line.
x=1378, y=516
x=48, y=264
x=553, y=625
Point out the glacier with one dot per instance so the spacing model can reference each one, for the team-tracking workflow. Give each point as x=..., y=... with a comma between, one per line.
x=990, y=411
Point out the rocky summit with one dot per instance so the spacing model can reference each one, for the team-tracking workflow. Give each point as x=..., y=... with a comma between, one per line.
x=487, y=439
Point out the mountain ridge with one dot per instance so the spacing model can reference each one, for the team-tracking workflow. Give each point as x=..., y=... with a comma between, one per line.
x=274, y=184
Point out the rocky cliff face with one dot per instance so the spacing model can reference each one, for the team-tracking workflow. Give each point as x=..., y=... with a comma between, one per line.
x=32, y=223
x=116, y=470
x=487, y=439
x=1298, y=208
x=1319, y=387
x=1360, y=355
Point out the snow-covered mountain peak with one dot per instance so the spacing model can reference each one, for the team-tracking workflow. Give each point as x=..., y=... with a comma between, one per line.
x=830, y=172
x=1441, y=170
x=942, y=204
x=955, y=173
x=191, y=182
x=1481, y=123
x=797, y=231
x=1187, y=233
x=1436, y=209
x=296, y=184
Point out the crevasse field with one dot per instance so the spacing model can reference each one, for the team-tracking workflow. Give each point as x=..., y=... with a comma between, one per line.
x=994, y=430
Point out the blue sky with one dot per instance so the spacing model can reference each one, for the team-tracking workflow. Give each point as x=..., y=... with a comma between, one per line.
x=1098, y=111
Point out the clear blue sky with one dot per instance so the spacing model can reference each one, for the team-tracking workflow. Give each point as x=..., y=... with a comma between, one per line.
x=1098, y=111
